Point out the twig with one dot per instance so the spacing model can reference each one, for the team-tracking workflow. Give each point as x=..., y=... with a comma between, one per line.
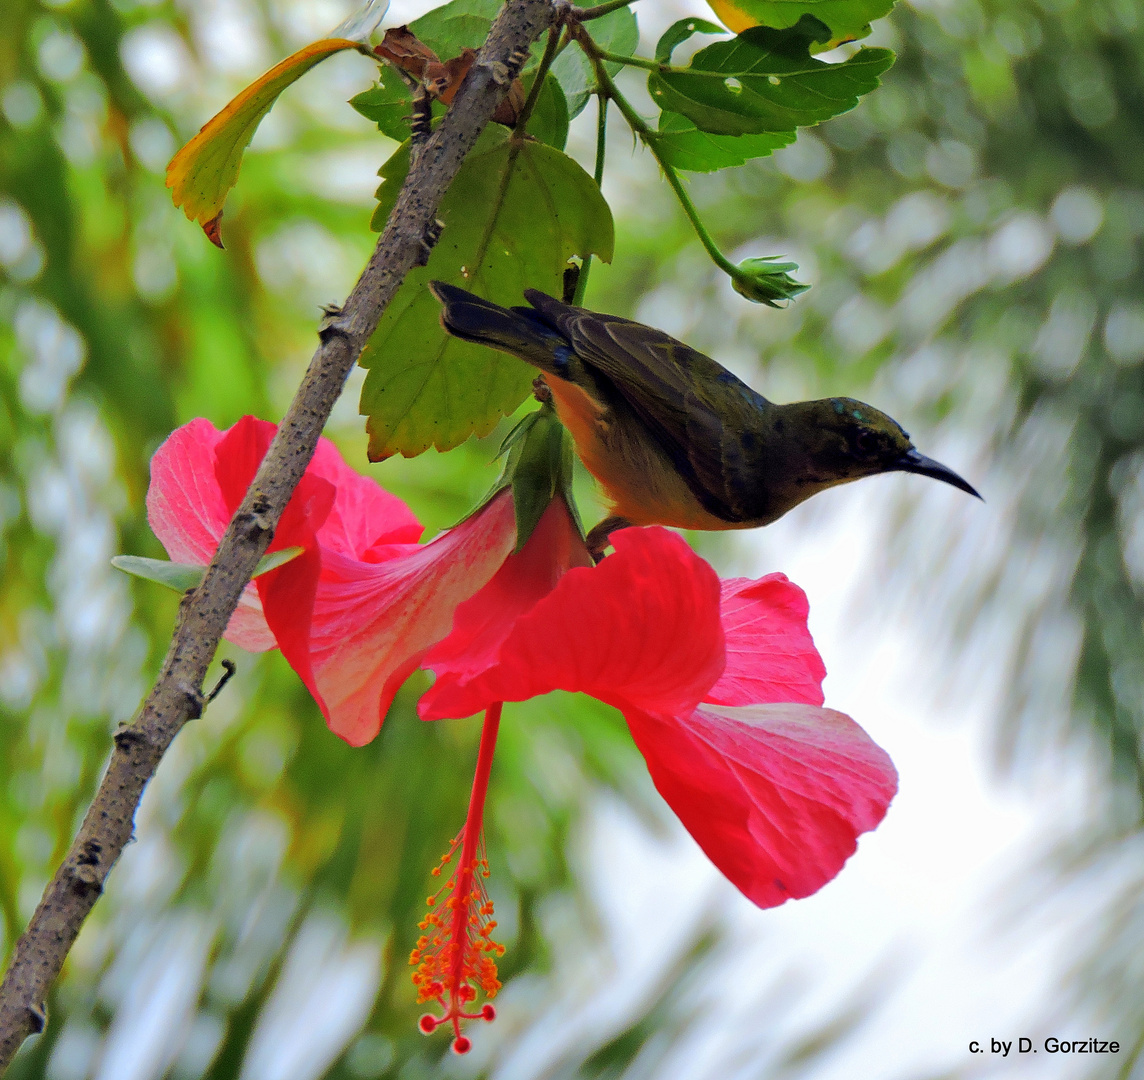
x=203, y=616
x=601, y=148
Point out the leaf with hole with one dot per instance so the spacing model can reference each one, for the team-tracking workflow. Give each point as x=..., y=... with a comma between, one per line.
x=766, y=81
x=514, y=215
x=678, y=32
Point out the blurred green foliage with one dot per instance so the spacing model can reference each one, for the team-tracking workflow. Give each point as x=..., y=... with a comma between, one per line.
x=973, y=234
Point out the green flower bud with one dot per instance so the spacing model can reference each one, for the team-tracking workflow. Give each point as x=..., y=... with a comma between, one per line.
x=765, y=281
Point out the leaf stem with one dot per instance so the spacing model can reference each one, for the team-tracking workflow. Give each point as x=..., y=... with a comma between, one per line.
x=538, y=81
x=659, y=67
x=587, y=14
x=763, y=281
x=638, y=61
x=647, y=136
x=601, y=146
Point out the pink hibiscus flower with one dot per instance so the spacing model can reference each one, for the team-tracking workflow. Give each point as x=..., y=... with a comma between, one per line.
x=721, y=687
x=355, y=612
x=719, y=682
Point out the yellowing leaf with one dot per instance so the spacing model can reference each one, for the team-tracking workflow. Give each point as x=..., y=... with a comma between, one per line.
x=847, y=19
x=730, y=16
x=202, y=173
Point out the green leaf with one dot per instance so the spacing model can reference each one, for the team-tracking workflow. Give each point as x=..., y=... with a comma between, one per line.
x=677, y=33
x=617, y=32
x=275, y=559
x=462, y=24
x=766, y=81
x=183, y=576
x=177, y=576
x=549, y=119
x=847, y=19
x=513, y=218
x=389, y=105
x=683, y=146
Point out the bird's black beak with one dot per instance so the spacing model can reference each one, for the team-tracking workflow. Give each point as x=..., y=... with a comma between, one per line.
x=912, y=461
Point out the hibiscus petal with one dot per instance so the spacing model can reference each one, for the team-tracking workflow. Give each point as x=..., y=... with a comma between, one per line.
x=364, y=515
x=484, y=621
x=247, y=627
x=237, y=456
x=372, y=622
x=770, y=653
x=188, y=514
x=185, y=507
x=287, y=594
x=776, y=795
x=200, y=474
x=641, y=628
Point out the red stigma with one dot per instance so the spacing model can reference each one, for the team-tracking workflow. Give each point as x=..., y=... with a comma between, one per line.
x=462, y=1044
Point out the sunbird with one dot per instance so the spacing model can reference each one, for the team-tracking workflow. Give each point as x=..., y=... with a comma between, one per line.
x=671, y=435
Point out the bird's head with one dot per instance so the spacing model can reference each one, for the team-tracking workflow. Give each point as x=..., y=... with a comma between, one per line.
x=841, y=439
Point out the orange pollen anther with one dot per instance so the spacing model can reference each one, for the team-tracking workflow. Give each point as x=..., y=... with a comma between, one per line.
x=455, y=957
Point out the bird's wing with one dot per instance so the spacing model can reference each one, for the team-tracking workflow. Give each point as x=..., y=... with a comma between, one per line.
x=704, y=417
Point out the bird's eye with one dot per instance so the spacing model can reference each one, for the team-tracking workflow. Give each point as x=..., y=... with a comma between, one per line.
x=865, y=442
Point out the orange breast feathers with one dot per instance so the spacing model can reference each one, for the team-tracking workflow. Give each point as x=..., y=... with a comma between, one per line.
x=639, y=479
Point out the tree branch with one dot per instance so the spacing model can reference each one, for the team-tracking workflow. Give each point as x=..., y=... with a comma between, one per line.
x=203, y=616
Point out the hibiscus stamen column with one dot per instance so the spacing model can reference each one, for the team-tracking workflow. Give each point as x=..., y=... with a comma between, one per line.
x=455, y=956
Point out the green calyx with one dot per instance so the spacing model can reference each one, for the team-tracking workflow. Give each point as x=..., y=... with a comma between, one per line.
x=538, y=456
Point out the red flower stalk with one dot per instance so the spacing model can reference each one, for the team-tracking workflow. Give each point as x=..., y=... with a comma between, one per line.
x=455, y=957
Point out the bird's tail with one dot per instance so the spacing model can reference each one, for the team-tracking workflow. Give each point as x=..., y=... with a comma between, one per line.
x=519, y=331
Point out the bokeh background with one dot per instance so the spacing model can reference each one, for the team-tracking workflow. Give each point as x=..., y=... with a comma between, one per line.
x=973, y=233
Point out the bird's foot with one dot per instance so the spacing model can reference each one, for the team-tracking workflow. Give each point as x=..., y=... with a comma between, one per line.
x=541, y=390
x=597, y=539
